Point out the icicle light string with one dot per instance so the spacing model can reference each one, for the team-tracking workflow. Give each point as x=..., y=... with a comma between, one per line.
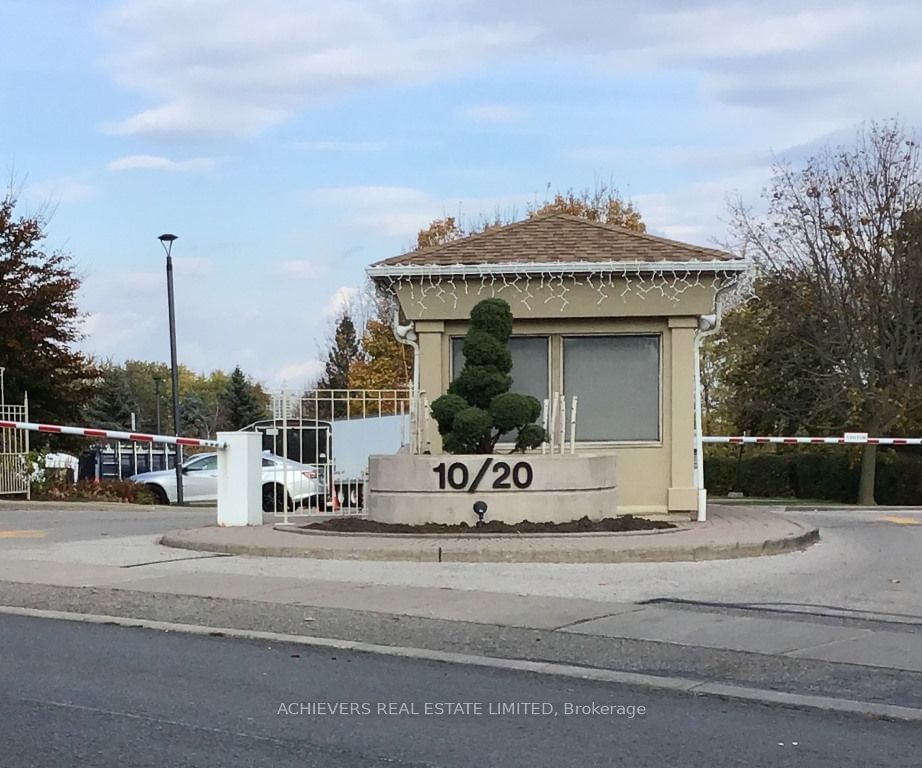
x=526, y=286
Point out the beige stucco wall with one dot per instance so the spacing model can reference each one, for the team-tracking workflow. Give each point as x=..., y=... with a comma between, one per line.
x=653, y=476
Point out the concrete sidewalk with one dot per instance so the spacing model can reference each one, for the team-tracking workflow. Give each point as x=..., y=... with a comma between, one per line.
x=496, y=610
x=729, y=532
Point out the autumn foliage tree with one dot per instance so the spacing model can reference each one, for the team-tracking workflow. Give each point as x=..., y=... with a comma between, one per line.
x=602, y=203
x=39, y=319
x=841, y=249
x=385, y=362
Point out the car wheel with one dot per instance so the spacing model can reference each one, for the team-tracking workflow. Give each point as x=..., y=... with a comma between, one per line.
x=274, y=496
x=159, y=495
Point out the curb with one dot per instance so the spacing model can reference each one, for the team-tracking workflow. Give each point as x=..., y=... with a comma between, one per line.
x=432, y=554
x=673, y=684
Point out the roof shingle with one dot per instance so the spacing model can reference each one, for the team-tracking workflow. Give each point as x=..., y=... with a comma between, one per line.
x=557, y=237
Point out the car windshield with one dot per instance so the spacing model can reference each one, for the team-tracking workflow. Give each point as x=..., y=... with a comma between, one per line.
x=209, y=461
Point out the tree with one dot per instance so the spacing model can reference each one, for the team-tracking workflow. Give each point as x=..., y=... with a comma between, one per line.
x=438, y=232
x=479, y=408
x=243, y=403
x=385, y=363
x=757, y=376
x=344, y=352
x=39, y=320
x=193, y=415
x=112, y=405
x=844, y=231
x=603, y=203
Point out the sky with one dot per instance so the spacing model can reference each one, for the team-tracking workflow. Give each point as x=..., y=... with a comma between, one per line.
x=290, y=143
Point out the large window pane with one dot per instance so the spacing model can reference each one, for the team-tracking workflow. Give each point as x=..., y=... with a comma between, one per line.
x=529, y=363
x=617, y=380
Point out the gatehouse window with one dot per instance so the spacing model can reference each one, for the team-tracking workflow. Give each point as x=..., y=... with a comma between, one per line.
x=617, y=381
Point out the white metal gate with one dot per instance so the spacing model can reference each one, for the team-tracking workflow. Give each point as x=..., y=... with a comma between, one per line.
x=333, y=432
x=14, y=451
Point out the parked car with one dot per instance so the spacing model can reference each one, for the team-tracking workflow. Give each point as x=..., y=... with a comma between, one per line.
x=305, y=482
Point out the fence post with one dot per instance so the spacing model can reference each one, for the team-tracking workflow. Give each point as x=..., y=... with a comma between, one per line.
x=240, y=479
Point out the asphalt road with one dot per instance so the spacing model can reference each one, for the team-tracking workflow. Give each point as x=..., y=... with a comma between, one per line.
x=73, y=694
x=29, y=525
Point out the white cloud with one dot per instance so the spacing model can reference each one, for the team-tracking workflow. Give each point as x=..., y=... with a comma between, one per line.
x=342, y=299
x=494, y=113
x=225, y=68
x=693, y=212
x=64, y=189
x=401, y=212
x=156, y=163
x=388, y=211
x=301, y=374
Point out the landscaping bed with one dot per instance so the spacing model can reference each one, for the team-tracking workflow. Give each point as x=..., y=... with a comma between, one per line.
x=583, y=525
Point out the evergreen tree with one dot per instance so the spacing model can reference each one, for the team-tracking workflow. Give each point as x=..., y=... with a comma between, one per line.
x=193, y=415
x=344, y=351
x=112, y=405
x=242, y=401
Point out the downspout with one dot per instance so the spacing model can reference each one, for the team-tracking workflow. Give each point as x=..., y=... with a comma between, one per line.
x=406, y=334
x=708, y=325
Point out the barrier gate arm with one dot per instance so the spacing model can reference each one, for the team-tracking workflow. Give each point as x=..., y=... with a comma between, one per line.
x=859, y=439
x=109, y=434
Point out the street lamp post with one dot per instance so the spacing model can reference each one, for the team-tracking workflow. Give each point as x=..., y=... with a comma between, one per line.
x=167, y=242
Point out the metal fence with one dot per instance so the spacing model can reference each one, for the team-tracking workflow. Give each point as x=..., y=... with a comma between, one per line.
x=14, y=451
x=332, y=432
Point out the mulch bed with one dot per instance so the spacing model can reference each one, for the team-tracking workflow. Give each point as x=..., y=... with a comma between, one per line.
x=583, y=525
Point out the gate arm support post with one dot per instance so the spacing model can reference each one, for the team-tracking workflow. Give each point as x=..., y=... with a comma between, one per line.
x=240, y=479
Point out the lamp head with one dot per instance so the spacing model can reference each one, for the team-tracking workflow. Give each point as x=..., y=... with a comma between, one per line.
x=166, y=241
x=480, y=509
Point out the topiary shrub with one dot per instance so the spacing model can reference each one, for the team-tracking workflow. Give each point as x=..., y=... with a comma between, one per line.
x=479, y=408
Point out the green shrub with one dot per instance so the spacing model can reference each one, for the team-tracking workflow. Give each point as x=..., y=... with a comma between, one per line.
x=123, y=491
x=479, y=408
x=770, y=475
x=815, y=472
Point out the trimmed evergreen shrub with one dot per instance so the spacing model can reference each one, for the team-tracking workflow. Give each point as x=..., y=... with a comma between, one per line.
x=479, y=408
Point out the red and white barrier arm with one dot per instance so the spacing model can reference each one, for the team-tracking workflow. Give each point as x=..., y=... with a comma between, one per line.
x=108, y=434
x=747, y=439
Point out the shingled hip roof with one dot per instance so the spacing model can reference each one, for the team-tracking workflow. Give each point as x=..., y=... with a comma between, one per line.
x=558, y=242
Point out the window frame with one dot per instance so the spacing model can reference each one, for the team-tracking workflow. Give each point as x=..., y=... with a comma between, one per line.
x=657, y=442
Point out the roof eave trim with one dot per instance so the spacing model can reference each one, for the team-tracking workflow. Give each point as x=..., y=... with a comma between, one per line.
x=555, y=268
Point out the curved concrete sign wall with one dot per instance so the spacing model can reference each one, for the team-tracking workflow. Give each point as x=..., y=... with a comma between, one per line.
x=515, y=487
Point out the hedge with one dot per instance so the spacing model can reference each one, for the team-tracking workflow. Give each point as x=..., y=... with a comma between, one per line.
x=823, y=474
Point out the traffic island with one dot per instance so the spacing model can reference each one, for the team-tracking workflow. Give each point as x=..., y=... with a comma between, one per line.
x=729, y=533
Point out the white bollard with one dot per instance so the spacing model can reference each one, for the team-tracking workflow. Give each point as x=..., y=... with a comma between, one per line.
x=240, y=479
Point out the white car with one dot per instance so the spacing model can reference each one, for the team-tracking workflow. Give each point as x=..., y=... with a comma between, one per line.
x=200, y=482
